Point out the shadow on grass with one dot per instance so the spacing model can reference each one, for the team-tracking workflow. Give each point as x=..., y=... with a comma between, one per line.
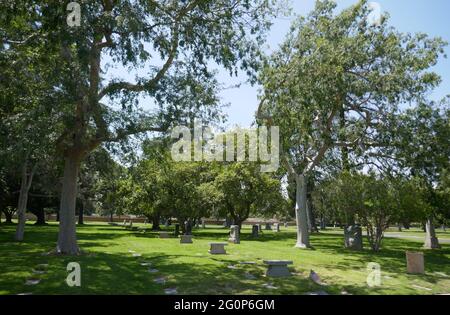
x=120, y=273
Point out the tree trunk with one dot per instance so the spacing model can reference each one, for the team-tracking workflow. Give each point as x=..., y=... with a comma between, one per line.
x=311, y=217
x=23, y=200
x=155, y=222
x=308, y=216
x=81, y=213
x=378, y=238
x=182, y=221
x=8, y=217
x=323, y=223
x=342, y=137
x=21, y=219
x=111, y=218
x=301, y=213
x=228, y=222
x=431, y=241
x=40, y=216
x=67, y=240
x=238, y=221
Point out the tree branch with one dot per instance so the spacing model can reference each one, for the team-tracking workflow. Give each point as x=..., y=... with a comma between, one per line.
x=150, y=84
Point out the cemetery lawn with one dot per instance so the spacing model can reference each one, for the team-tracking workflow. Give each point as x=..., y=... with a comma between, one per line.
x=108, y=266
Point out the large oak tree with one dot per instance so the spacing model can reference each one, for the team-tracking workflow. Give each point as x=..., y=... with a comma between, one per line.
x=147, y=38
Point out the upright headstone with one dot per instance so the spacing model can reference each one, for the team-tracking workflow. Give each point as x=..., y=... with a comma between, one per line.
x=353, y=237
x=217, y=248
x=186, y=239
x=286, y=224
x=187, y=228
x=203, y=224
x=415, y=263
x=234, y=234
x=177, y=229
x=268, y=227
x=255, y=230
x=166, y=224
x=276, y=227
x=259, y=228
x=164, y=234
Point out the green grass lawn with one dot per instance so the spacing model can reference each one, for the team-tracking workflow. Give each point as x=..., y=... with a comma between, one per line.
x=107, y=266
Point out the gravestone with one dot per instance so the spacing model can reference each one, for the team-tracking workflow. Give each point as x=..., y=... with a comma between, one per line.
x=164, y=234
x=203, y=224
x=315, y=278
x=32, y=281
x=276, y=227
x=286, y=224
x=323, y=224
x=187, y=228
x=160, y=280
x=278, y=268
x=255, y=230
x=217, y=248
x=234, y=234
x=170, y=291
x=269, y=286
x=353, y=237
x=260, y=228
x=268, y=227
x=317, y=293
x=177, y=230
x=186, y=239
x=415, y=263
x=166, y=224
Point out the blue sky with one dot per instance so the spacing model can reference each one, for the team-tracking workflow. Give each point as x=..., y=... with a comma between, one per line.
x=431, y=17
